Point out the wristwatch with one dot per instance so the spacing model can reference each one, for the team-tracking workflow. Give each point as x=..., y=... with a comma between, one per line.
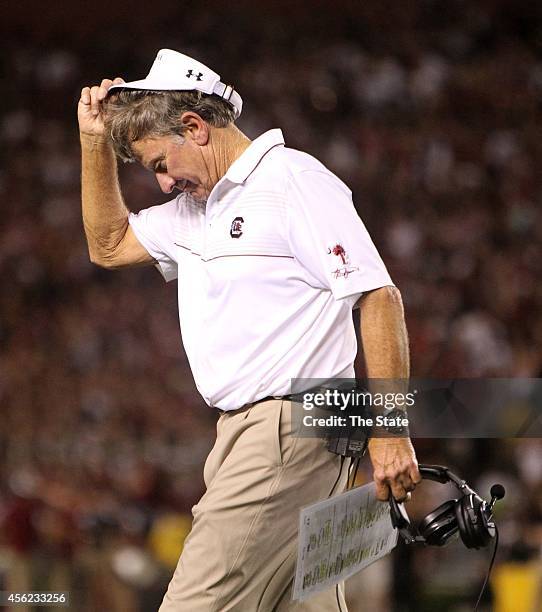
x=394, y=422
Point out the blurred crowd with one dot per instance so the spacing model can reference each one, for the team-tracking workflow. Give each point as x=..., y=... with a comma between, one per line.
x=428, y=111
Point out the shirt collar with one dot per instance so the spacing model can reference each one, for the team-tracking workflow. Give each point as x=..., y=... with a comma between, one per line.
x=244, y=165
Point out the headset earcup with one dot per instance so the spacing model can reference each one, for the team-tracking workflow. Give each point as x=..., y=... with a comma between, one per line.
x=472, y=522
x=462, y=522
x=481, y=532
x=440, y=525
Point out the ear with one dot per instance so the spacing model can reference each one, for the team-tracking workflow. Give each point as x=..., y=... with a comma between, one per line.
x=195, y=127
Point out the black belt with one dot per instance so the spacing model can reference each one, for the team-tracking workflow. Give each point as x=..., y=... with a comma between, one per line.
x=290, y=397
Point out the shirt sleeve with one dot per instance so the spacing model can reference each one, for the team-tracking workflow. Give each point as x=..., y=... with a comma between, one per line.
x=328, y=238
x=154, y=227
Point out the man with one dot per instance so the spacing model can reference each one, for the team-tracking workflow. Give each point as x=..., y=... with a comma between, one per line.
x=271, y=258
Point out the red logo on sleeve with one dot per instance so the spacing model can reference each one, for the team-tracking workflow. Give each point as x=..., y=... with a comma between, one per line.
x=340, y=252
x=345, y=269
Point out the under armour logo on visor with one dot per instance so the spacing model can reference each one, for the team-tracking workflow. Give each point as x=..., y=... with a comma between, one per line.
x=199, y=76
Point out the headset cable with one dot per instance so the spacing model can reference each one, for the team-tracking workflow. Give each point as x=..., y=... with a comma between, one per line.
x=490, y=568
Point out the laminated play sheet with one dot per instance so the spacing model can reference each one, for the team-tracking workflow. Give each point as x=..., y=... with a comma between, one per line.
x=340, y=536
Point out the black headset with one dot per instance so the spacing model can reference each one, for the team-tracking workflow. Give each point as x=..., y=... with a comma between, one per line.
x=471, y=515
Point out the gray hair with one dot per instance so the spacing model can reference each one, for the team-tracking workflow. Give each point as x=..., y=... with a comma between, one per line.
x=135, y=114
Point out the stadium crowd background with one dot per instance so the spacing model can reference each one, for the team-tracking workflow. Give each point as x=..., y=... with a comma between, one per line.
x=429, y=111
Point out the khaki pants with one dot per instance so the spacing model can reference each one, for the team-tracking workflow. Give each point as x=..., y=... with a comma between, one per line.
x=240, y=554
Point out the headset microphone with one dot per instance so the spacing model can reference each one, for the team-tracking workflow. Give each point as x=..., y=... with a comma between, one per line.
x=497, y=492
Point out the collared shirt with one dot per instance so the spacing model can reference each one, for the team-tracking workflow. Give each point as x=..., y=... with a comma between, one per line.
x=268, y=272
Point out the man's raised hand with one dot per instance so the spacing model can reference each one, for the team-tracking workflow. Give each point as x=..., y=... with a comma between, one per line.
x=90, y=112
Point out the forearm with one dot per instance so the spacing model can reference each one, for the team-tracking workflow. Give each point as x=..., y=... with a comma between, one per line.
x=105, y=216
x=385, y=347
x=384, y=335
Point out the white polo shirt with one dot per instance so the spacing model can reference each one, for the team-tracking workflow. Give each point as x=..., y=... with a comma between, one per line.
x=268, y=270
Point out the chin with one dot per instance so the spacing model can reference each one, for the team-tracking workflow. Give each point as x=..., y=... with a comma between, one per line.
x=198, y=197
x=199, y=194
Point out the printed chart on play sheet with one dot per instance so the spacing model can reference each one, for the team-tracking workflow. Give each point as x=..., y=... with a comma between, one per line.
x=339, y=537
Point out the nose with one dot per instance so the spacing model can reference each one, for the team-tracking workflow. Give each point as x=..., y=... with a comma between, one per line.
x=166, y=182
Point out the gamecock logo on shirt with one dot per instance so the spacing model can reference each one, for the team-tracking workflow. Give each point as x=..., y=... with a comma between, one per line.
x=236, y=229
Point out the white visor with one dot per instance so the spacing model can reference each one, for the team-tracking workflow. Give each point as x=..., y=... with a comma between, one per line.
x=173, y=71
